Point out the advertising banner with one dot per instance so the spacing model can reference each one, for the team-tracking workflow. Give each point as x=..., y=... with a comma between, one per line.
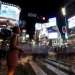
x=9, y=12
x=53, y=35
x=71, y=22
x=64, y=30
x=52, y=21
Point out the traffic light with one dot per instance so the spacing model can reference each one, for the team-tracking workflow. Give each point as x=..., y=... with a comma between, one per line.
x=43, y=18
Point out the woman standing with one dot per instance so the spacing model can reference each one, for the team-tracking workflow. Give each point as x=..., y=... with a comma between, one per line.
x=12, y=55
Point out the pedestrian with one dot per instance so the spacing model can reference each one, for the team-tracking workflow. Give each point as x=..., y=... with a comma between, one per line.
x=12, y=55
x=0, y=53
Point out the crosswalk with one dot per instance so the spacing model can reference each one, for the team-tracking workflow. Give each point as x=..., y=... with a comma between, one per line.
x=47, y=67
x=37, y=69
x=51, y=67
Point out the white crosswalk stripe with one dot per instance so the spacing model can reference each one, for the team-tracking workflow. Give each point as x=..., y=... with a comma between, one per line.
x=58, y=72
x=58, y=64
x=68, y=68
x=37, y=69
x=58, y=60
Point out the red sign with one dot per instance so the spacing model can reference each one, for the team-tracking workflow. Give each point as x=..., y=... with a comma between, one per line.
x=64, y=30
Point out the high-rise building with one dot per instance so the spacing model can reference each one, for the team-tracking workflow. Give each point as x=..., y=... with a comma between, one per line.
x=70, y=18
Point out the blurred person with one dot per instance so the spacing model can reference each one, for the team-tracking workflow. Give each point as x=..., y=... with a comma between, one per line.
x=4, y=52
x=0, y=52
x=12, y=55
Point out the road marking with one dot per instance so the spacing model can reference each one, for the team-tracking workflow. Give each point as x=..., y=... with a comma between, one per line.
x=68, y=68
x=55, y=70
x=37, y=69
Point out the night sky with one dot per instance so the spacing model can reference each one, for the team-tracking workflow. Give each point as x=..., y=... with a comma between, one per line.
x=47, y=8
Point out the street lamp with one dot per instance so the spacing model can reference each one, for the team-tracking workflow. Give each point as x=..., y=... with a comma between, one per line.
x=63, y=11
x=64, y=14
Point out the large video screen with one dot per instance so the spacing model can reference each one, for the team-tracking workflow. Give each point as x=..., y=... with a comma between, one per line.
x=53, y=35
x=11, y=12
x=52, y=21
x=71, y=22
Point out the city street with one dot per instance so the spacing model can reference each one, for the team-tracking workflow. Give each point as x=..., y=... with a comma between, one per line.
x=38, y=38
x=47, y=66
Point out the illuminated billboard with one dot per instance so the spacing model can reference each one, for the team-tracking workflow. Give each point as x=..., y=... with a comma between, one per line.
x=52, y=21
x=38, y=26
x=64, y=30
x=45, y=25
x=71, y=22
x=44, y=32
x=53, y=35
x=11, y=12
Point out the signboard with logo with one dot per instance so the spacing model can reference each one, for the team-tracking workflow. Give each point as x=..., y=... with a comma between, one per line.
x=71, y=22
x=52, y=21
x=31, y=15
x=64, y=30
x=9, y=12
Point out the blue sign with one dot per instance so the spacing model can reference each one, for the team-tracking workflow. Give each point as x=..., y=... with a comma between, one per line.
x=49, y=31
x=20, y=22
x=31, y=15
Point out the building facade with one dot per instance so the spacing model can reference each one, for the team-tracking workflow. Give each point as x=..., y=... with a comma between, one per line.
x=70, y=19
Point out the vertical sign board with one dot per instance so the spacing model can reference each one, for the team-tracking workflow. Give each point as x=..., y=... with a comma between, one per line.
x=64, y=30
